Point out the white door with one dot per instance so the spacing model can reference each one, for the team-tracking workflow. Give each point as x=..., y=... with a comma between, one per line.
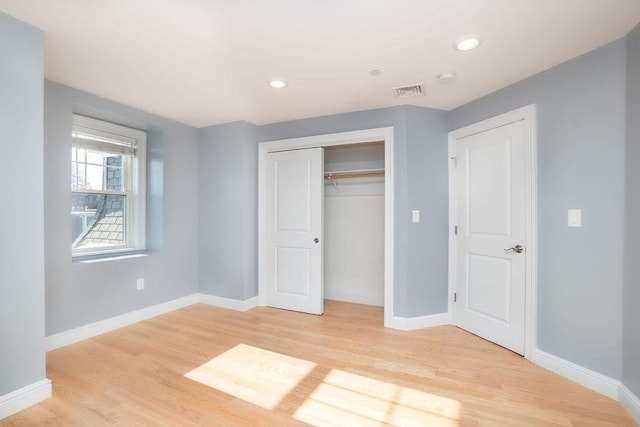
x=294, y=209
x=491, y=236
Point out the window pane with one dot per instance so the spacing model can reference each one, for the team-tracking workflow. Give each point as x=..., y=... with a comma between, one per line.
x=79, y=181
x=95, y=170
x=95, y=175
x=74, y=175
x=95, y=157
x=114, y=181
x=98, y=221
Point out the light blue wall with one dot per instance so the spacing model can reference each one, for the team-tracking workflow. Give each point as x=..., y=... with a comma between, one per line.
x=228, y=207
x=78, y=293
x=428, y=190
x=581, y=139
x=631, y=331
x=420, y=168
x=22, y=353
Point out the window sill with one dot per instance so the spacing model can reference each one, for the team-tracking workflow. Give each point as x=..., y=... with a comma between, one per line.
x=104, y=257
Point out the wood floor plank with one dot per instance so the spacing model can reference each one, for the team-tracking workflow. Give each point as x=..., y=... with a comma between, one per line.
x=206, y=366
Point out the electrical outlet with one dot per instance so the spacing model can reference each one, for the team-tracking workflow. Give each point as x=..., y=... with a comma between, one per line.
x=140, y=284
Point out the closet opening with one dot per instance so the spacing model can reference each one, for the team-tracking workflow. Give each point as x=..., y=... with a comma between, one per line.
x=354, y=220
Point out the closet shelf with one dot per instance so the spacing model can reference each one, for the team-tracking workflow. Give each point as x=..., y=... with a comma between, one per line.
x=360, y=173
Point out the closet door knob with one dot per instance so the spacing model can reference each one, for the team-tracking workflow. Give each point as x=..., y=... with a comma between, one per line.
x=316, y=240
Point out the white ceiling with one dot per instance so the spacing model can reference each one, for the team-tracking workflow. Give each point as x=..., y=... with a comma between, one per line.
x=205, y=62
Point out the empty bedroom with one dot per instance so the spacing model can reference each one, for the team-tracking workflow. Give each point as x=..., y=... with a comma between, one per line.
x=338, y=213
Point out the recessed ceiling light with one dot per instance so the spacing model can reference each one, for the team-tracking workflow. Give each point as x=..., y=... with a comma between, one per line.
x=277, y=84
x=447, y=77
x=468, y=42
x=375, y=73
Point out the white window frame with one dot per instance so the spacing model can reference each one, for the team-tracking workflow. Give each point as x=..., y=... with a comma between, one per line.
x=135, y=222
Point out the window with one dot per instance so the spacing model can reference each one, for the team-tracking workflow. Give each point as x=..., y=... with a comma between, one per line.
x=107, y=187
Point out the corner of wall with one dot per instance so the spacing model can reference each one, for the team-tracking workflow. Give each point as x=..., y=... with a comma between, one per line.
x=630, y=402
x=418, y=322
x=22, y=366
x=583, y=376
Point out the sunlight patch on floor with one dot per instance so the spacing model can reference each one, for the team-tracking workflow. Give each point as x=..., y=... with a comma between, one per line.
x=265, y=378
x=348, y=399
x=255, y=375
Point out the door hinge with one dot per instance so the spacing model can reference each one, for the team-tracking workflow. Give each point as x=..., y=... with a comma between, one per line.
x=455, y=161
x=455, y=297
x=455, y=230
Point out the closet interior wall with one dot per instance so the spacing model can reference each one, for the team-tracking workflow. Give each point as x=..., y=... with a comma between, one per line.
x=354, y=223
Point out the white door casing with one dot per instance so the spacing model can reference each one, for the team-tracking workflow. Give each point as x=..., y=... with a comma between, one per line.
x=294, y=211
x=492, y=205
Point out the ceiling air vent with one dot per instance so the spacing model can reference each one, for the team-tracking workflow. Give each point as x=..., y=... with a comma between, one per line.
x=407, y=91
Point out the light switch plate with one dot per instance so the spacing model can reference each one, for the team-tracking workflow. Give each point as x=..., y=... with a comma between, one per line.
x=415, y=216
x=574, y=217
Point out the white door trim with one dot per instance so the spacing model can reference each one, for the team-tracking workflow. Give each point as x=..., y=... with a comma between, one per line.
x=528, y=115
x=354, y=137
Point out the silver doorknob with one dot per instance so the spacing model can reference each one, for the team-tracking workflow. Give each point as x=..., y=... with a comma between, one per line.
x=517, y=249
x=316, y=240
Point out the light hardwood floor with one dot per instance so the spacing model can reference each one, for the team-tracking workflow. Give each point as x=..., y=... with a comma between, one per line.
x=203, y=365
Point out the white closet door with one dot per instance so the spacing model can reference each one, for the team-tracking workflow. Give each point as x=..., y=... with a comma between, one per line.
x=295, y=193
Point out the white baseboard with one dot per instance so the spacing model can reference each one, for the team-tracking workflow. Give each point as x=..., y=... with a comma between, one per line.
x=24, y=397
x=232, y=304
x=583, y=376
x=357, y=299
x=420, y=322
x=631, y=402
x=75, y=335
x=97, y=328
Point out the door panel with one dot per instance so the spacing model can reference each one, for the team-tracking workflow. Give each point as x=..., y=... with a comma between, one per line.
x=491, y=218
x=294, y=230
x=293, y=267
x=488, y=287
x=292, y=189
x=489, y=180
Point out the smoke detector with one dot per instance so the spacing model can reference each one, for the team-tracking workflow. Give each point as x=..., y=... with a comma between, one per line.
x=408, y=91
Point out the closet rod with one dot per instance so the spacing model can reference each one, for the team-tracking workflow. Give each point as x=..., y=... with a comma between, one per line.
x=354, y=174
